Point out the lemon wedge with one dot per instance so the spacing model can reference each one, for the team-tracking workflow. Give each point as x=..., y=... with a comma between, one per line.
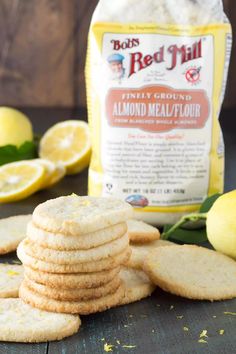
x=67, y=143
x=18, y=180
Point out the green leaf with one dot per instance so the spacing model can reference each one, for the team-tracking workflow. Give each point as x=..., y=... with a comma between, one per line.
x=187, y=236
x=207, y=204
x=11, y=153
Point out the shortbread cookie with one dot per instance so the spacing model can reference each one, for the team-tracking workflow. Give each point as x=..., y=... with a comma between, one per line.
x=105, y=264
x=137, y=285
x=74, y=294
x=140, y=232
x=12, y=232
x=140, y=252
x=11, y=276
x=76, y=215
x=192, y=272
x=72, y=281
x=20, y=322
x=68, y=243
x=80, y=307
x=79, y=256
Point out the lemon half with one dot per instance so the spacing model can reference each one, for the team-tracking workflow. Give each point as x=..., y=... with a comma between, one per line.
x=67, y=143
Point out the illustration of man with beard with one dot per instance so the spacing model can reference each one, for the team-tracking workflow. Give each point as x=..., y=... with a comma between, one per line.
x=116, y=66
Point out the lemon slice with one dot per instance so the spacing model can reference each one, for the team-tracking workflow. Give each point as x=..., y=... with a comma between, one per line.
x=49, y=168
x=58, y=174
x=18, y=180
x=53, y=172
x=67, y=143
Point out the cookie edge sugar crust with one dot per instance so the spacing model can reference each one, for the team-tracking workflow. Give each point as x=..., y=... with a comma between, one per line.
x=106, y=217
x=74, y=307
x=89, y=267
x=62, y=242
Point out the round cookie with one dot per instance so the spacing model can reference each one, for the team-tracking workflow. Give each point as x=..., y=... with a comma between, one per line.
x=76, y=215
x=68, y=243
x=79, y=256
x=74, y=294
x=137, y=285
x=12, y=232
x=20, y=322
x=11, y=276
x=193, y=272
x=75, y=307
x=104, y=264
x=71, y=281
x=140, y=252
x=140, y=232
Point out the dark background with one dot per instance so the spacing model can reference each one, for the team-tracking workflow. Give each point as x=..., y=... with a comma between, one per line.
x=43, y=48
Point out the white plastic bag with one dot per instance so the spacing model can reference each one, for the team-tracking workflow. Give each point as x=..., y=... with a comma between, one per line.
x=156, y=76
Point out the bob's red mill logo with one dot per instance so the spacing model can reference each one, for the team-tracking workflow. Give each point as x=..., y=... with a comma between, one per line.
x=172, y=55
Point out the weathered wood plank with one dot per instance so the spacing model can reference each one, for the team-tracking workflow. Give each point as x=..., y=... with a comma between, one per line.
x=36, y=61
x=85, y=10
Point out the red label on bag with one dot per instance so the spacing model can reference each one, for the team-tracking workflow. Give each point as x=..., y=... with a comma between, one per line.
x=157, y=108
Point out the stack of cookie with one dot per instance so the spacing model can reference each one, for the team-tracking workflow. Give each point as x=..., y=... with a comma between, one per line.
x=73, y=252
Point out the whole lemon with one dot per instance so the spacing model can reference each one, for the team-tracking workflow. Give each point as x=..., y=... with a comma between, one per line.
x=221, y=224
x=15, y=127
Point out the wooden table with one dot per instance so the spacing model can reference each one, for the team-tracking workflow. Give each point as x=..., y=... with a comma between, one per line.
x=154, y=325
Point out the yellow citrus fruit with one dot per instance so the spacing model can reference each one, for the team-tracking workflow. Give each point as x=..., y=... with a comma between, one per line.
x=15, y=127
x=221, y=224
x=59, y=173
x=53, y=172
x=18, y=180
x=67, y=143
x=49, y=168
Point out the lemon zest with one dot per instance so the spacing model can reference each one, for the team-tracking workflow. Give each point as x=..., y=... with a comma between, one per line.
x=203, y=334
x=108, y=347
x=202, y=341
x=230, y=313
x=11, y=273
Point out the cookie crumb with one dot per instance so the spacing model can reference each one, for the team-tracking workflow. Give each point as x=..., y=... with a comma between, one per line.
x=172, y=307
x=186, y=329
x=179, y=317
x=202, y=341
x=221, y=332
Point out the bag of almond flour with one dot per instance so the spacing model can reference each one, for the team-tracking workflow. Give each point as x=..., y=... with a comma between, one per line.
x=156, y=75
